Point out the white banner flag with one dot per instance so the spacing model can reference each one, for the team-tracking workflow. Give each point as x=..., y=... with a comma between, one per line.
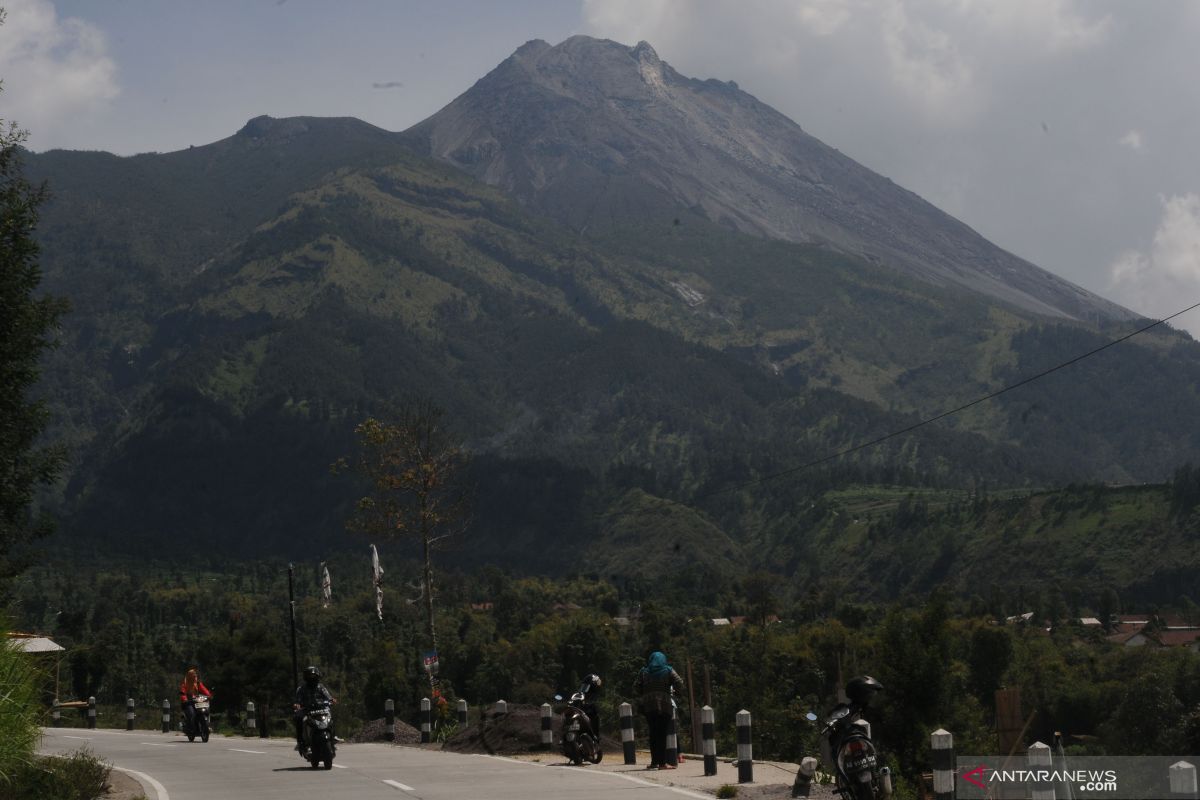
x=326, y=586
x=377, y=572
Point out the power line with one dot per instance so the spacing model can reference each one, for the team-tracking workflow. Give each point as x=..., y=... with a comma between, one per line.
x=944, y=414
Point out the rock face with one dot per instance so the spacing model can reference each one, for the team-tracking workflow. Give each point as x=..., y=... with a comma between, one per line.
x=598, y=134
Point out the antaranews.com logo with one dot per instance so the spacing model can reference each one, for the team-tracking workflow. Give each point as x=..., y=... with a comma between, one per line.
x=1079, y=777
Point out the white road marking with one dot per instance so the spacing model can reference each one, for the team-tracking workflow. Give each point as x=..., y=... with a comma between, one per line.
x=158, y=788
x=155, y=744
x=400, y=785
x=85, y=738
x=239, y=750
x=340, y=766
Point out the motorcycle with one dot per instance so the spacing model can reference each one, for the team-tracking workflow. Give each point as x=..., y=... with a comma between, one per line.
x=847, y=747
x=199, y=719
x=320, y=745
x=580, y=742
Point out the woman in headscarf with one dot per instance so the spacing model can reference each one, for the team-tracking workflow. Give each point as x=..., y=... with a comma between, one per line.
x=655, y=683
x=189, y=688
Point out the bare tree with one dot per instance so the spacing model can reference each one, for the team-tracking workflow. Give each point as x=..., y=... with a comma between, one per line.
x=415, y=468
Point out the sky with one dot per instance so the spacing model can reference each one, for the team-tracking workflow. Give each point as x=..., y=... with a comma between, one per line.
x=1065, y=131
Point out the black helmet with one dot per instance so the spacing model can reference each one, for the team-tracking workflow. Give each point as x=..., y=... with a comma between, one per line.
x=860, y=690
x=312, y=675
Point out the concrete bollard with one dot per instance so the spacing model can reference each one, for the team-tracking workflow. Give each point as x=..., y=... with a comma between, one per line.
x=547, y=729
x=251, y=720
x=389, y=718
x=627, y=743
x=1183, y=780
x=942, y=755
x=745, y=752
x=166, y=715
x=708, y=732
x=56, y=715
x=1039, y=756
x=804, y=777
x=91, y=713
x=426, y=720
x=672, y=751
x=129, y=715
x=501, y=708
x=462, y=713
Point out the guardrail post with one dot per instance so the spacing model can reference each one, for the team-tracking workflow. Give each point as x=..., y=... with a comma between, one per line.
x=56, y=715
x=1039, y=756
x=804, y=777
x=547, y=729
x=251, y=720
x=389, y=718
x=942, y=755
x=426, y=720
x=501, y=707
x=166, y=715
x=672, y=752
x=1183, y=780
x=91, y=713
x=627, y=743
x=708, y=732
x=129, y=715
x=462, y=713
x=745, y=752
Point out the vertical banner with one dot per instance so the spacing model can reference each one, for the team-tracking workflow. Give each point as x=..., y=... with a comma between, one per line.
x=377, y=573
x=326, y=586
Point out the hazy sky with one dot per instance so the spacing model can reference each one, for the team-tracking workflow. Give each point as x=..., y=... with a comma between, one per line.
x=1066, y=132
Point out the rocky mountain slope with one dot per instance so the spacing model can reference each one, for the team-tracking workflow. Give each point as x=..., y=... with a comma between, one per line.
x=598, y=134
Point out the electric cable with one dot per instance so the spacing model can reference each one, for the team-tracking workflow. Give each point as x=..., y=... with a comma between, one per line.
x=944, y=414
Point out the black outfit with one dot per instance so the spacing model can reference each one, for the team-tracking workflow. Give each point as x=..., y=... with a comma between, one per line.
x=658, y=707
x=308, y=696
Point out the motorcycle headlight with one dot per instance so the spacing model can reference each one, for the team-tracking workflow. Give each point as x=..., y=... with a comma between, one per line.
x=322, y=722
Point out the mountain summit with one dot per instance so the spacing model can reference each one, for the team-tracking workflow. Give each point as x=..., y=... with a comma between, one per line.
x=598, y=134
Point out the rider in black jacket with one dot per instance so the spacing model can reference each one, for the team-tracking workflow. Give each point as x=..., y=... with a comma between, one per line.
x=310, y=693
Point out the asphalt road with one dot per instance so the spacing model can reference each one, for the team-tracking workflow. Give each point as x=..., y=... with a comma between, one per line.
x=260, y=769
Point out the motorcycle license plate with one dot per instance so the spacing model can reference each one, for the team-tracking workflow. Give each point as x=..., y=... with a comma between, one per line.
x=859, y=764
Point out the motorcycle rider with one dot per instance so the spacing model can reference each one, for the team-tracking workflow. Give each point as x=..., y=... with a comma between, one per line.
x=190, y=688
x=654, y=683
x=310, y=693
x=591, y=690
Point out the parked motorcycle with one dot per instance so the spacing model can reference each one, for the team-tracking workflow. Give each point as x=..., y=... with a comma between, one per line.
x=320, y=745
x=199, y=719
x=846, y=745
x=580, y=736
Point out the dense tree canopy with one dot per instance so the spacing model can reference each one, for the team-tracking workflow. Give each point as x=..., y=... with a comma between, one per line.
x=27, y=325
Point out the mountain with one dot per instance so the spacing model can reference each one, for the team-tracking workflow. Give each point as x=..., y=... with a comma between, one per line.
x=598, y=134
x=240, y=306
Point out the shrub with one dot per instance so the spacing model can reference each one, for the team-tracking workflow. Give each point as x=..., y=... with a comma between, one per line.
x=18, y=710
x=727, y=790
x=78, y=776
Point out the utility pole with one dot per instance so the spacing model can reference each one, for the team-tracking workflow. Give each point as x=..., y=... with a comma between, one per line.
x=292, y=610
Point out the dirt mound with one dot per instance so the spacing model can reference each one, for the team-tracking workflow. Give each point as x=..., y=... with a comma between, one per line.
x=518, y=731
x=376, y=731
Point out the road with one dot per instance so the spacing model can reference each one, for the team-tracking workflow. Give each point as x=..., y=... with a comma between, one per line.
x=269, y=769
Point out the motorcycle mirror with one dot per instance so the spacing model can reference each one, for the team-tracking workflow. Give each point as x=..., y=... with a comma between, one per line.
x=811, y=717
x=558, y=697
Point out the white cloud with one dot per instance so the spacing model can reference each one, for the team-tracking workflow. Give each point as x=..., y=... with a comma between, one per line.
x=1133, y=140
x=933, y=52
x=1166, y=278
x=52, y=68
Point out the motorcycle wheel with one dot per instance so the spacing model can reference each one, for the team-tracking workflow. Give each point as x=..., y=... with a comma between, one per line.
x=204, y=731
x=321, y=753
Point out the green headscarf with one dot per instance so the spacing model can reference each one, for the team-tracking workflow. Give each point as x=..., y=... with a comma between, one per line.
x=657, y=665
